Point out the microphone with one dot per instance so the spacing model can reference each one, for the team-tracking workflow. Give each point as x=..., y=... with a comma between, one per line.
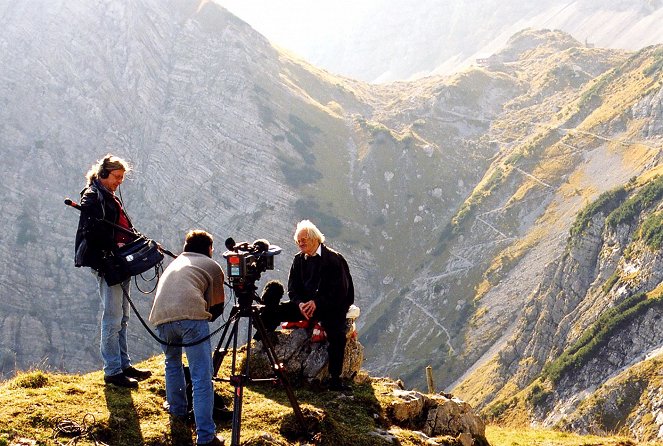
x=72, y=203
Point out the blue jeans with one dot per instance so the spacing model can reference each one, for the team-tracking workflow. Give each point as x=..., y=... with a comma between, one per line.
x=114, y=319
x=200, y=365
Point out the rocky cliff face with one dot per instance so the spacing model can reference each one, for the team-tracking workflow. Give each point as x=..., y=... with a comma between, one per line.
x=224, y=133
x=587, y=348
x=585, y=351
x=451, y=197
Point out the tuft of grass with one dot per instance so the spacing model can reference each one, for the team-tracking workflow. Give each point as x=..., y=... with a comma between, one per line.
x=503, y=436
x=31, y=380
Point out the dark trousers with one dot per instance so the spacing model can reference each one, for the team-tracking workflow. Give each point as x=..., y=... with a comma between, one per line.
x=334, y=326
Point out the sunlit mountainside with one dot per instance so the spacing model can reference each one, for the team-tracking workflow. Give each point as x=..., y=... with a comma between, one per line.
x=501, y=224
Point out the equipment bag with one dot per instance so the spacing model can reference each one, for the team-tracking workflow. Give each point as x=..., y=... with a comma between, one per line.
x=131, y=259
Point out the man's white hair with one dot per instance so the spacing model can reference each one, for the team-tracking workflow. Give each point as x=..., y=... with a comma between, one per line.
x=310, y=229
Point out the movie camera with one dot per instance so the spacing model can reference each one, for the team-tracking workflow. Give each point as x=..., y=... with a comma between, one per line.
x=245, y=263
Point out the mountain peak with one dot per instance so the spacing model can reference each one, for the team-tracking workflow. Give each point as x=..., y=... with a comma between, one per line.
x=528, y=39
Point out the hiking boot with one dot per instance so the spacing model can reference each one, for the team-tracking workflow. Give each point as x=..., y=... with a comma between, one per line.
x=215, y=442
x=336, y=385
x=137, y=374
x=121, y=381
x=180, y=430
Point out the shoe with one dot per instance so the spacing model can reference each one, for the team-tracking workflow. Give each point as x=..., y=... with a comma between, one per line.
x=222, y=414
x=336, y=385
x=121, y=381
x=216, y=442
x=137, y=374
x=180, y=430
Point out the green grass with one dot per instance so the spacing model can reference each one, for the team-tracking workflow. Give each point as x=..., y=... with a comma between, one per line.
x=34, y=403
x=502, y=436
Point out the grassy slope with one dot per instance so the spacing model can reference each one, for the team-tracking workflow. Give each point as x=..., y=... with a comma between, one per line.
x=32, y=404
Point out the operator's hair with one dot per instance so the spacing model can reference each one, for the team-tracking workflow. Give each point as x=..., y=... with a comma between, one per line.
x=198, y=241
x=104, y=166
x=310, y=229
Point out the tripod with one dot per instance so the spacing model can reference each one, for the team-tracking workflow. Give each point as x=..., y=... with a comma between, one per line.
x=245, y=309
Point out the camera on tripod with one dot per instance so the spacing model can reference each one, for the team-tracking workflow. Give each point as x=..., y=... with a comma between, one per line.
x=245, y=264
x=247, y=261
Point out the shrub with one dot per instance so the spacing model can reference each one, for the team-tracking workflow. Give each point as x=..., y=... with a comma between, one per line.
x=328, y=224
x=495, y=411
x=632, y=207
x=537, y=395
x=651, y=231
x=605, y=203
x=597, y=336
x=299, y=175
x=607, y=286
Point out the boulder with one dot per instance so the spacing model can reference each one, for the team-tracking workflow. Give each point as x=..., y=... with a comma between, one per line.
x=451, y=416
x=436, y=415
x=408, y=406
x=303, y=359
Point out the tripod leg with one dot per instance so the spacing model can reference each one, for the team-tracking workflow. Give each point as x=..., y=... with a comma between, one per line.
x=278, y=367
x=220, y=353
x=238, y=380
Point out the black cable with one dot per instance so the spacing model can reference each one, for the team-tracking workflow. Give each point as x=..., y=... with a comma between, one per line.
x=78, y=431
x=158, y=269
x=157, y=338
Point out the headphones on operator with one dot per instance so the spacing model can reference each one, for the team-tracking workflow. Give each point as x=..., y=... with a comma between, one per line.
x=103, y=171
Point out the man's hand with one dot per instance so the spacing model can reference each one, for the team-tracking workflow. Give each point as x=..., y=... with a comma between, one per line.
x=307, y=308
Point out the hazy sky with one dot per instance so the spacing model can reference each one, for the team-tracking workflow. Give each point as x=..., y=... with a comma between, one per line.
x=387, y=40
x=297, y=24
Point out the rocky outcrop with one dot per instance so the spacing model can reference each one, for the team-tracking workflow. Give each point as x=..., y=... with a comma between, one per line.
x=437, y=415
x=594, y=322
x=305, y=361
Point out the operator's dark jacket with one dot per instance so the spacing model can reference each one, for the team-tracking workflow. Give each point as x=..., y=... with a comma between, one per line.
x=335, y=291
x=94, y=238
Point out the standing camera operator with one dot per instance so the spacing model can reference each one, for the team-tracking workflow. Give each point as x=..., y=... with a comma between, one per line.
x=190, y=294
x=96, y=239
